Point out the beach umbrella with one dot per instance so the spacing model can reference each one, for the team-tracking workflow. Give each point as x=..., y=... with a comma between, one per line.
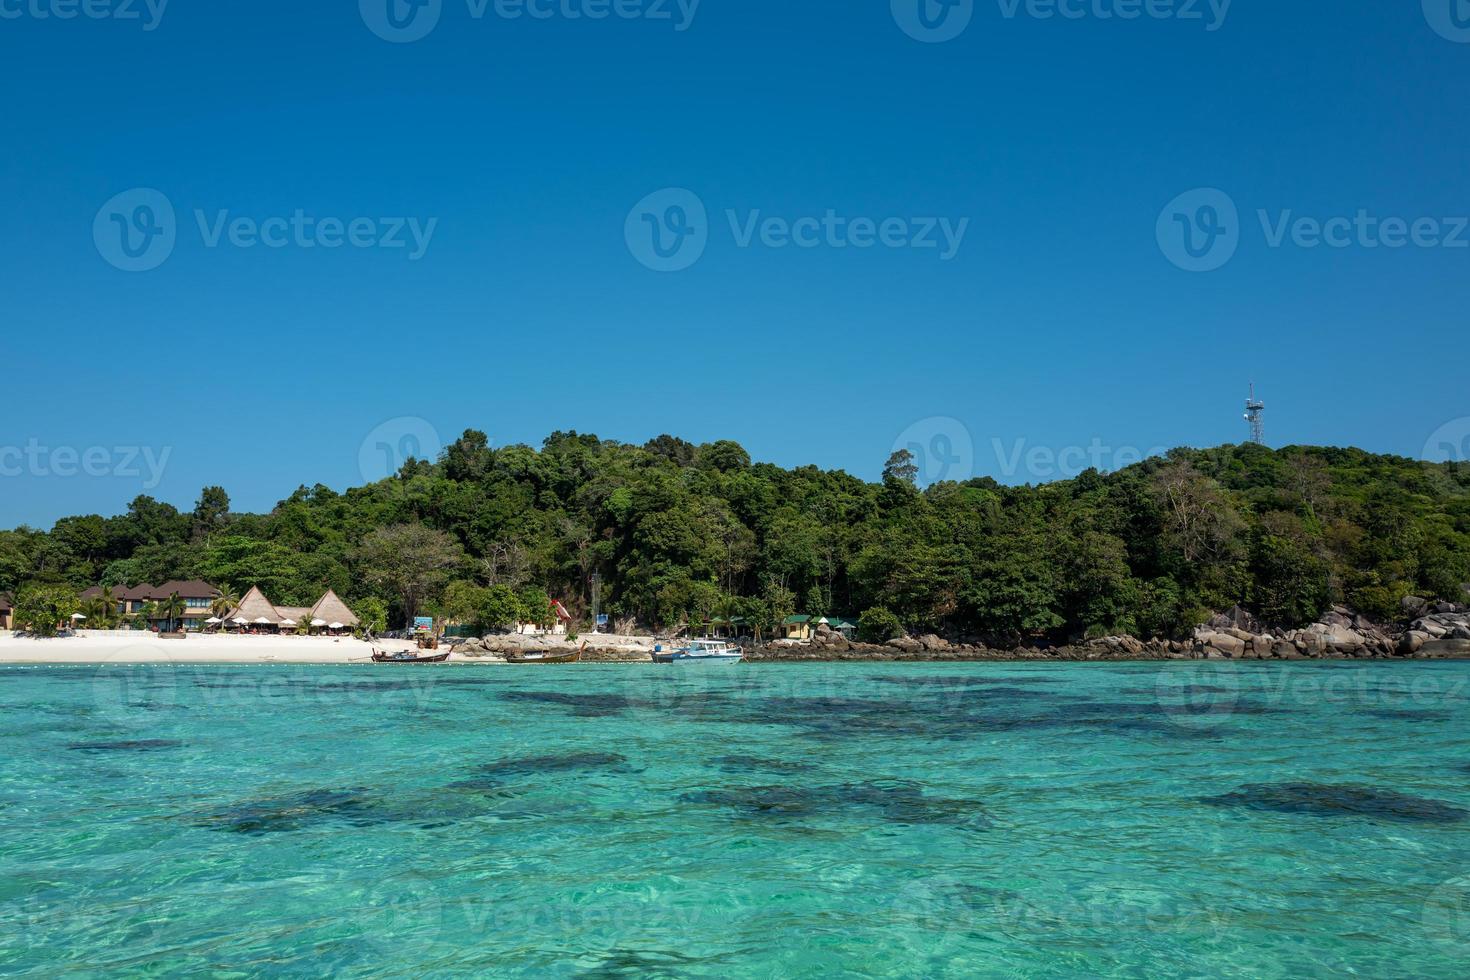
x=288, y=622
x=77, y=616
x=318, y=622
x=336, y=626
x=214, y=620
x=262, y=621
x=241, y=621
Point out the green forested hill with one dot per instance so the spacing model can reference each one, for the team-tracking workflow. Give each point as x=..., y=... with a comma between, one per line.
x=681, y=531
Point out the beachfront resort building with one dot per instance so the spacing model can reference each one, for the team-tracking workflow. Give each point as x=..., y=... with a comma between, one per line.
x=198, y=599
x=256, y=612
x=7, y=611
x=802, y=627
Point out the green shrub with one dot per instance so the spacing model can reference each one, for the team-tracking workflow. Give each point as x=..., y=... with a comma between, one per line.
x=43, y=609
x=878, y=625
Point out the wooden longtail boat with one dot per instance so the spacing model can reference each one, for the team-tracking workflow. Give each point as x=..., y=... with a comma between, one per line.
x=408, y=658
x=545, y=657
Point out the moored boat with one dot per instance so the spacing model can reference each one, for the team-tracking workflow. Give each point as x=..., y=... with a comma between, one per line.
x=546, y=657
x=702, y=651
x=405, y=657
x=543, y=657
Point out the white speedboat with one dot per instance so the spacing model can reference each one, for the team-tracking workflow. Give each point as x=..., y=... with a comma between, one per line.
x=702, y=651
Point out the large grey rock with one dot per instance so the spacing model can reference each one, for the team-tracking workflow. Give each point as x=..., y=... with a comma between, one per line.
x=1344, y=641
x=1445, y=648
x=1413, y=606
x=1222, y=644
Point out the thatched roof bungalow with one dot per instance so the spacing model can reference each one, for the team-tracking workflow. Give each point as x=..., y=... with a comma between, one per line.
x=328, y=612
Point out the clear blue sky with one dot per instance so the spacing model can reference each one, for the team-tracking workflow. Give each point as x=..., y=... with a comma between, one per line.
x=1059, y=321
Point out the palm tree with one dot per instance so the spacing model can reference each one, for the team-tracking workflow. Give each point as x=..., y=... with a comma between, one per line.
x=96, y=612
x=224, y=602
x=146, y=613
x=109, y=606
x=171, y=609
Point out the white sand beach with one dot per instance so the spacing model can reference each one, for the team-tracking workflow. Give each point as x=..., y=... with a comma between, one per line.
x=143, y=647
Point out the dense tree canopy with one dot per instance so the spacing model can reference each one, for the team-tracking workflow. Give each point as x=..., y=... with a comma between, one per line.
x=682, y=532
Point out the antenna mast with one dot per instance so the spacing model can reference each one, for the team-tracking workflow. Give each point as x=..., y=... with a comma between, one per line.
x=1253, y=413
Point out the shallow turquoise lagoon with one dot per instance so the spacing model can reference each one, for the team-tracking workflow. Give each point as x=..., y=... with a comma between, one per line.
x=747, y=821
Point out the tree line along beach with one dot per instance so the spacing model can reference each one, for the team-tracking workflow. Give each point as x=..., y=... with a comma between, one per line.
x=1238, y=552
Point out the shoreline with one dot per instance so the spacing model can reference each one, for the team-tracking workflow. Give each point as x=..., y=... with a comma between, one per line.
x=225, y=650
x=147, y=648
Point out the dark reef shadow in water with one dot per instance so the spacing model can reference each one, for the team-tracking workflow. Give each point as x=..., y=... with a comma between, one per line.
x=740, y=764
x=924, y=711
x=891, y=801
x=660, y=965
x=581, y=705
x=129, y=745
x=1410, y=714
x=1327, y=800
x=495, y=773
x=297, y=811
x=355, y=807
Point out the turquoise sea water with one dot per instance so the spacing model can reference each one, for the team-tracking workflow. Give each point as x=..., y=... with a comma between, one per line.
x=748, y=821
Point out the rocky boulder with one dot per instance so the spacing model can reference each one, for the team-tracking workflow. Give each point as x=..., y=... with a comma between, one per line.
x=1219, y=644
x=1413, y=607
